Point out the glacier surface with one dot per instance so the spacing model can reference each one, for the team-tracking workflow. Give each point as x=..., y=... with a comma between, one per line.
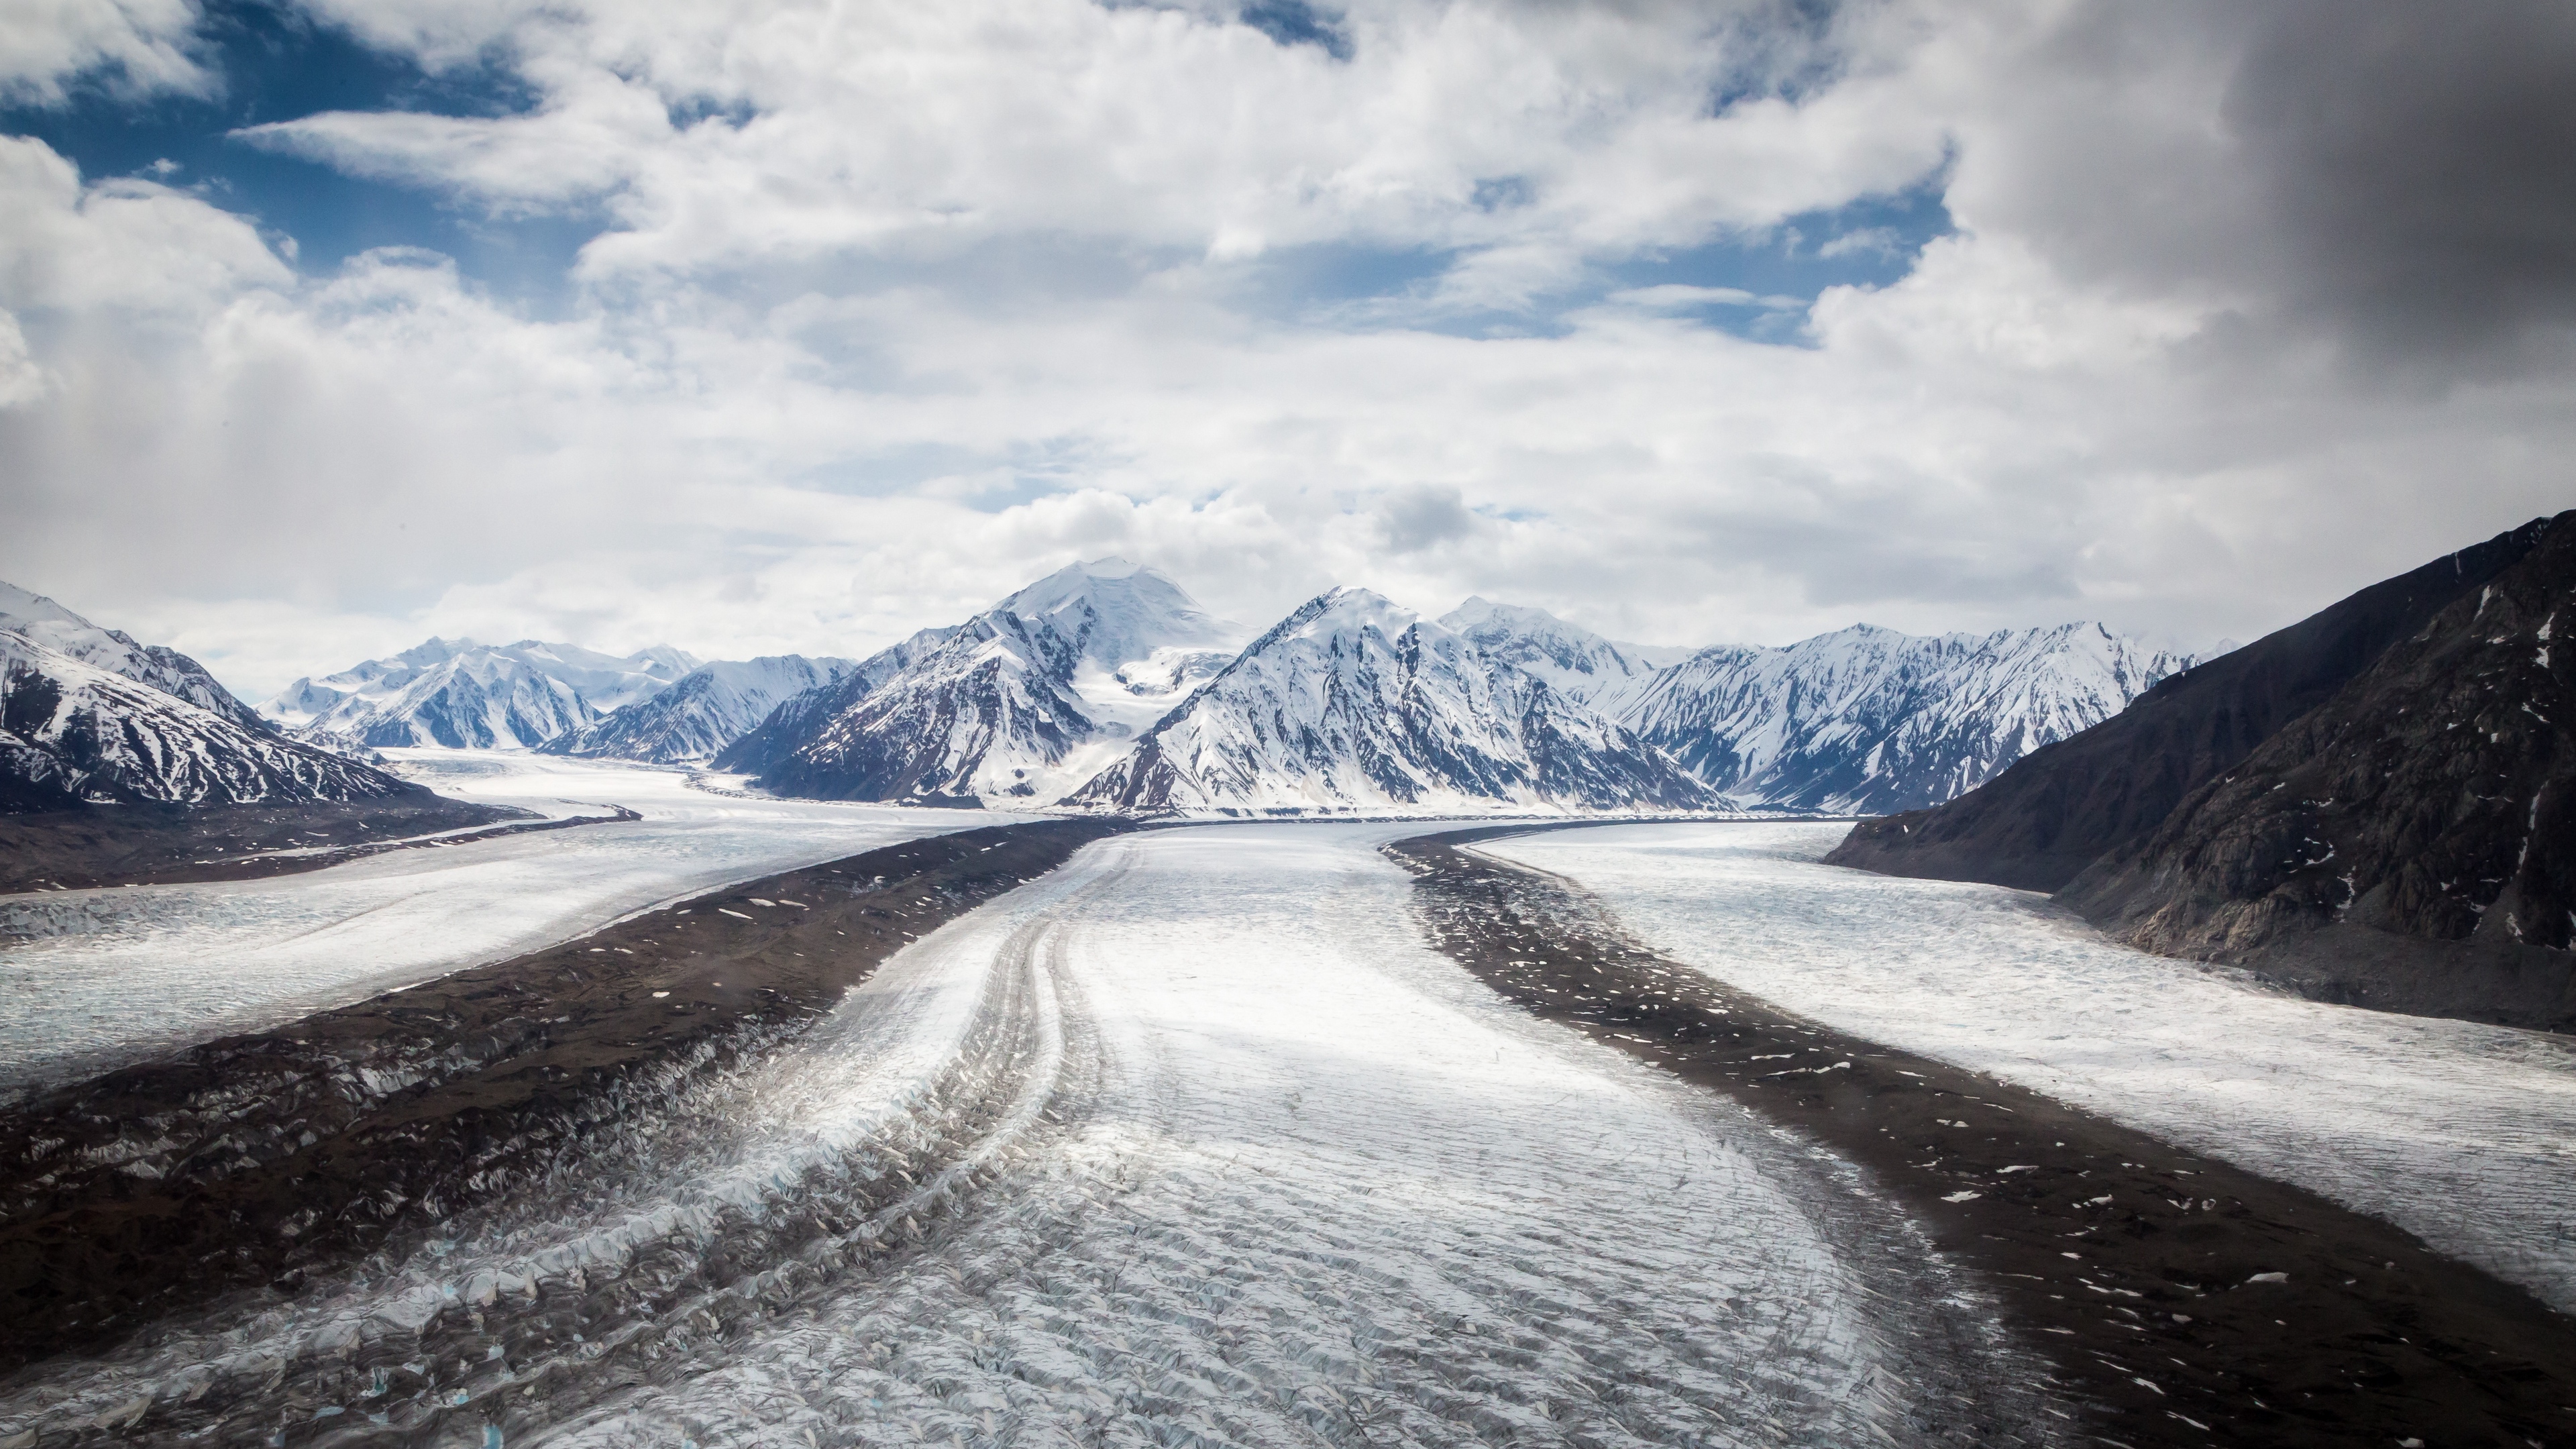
x=92, y=979
x=1150, y=1151
x=2462, y=1134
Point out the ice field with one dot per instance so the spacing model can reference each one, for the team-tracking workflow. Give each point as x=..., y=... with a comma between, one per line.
x=89, y=979
x=1192, y=1141
x=2464, y=1135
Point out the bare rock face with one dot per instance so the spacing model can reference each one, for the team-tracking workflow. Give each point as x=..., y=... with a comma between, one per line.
x=2430, y=802
x=2376, y=805
x=2047, y=819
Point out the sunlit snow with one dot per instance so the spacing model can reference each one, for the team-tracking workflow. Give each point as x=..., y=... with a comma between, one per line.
x=2462, y=1134
x=91, y=978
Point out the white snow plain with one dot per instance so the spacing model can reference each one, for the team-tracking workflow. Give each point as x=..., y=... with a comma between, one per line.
x=2462, y=1134
x=92, y=979
x=1193, y=1141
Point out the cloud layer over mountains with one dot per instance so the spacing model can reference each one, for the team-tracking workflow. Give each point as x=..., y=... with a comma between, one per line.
x=884, y=308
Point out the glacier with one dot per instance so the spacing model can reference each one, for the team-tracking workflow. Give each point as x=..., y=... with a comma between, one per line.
x=1150, y=1149
x=98, y=978
x=2462, y=1134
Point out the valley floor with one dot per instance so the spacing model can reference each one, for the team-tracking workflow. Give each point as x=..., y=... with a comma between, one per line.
x=92, y=979
x=1202, y=1139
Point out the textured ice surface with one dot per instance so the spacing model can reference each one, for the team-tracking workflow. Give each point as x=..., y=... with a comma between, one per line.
x=90, y=978
x=1191, y=1142
x=2462, y=1134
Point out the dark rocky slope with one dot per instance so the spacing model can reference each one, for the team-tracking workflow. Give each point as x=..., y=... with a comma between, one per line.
x=2377, y=805
x=2062, y=807
x=2411, y=842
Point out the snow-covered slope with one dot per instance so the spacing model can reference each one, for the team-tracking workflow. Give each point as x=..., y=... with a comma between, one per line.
x=1869, y=721
x=1353, y=702
x=709, y=708
x=1575, y=662
x=42, y=621
x=797, y=718
x=464, y=695
x=73, y=732
x=1020, y=704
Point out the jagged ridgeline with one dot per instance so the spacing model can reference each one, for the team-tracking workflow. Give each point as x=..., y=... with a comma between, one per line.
x=2376, y=804
x=1105, y=686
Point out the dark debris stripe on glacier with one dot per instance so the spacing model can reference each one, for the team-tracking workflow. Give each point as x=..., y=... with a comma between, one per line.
x=253, y=1162
x=2143, y=1270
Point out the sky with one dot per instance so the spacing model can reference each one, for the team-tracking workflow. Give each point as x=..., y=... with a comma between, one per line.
x=327, y=325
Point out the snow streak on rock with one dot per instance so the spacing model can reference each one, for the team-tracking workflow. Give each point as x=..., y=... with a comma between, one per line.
x=2464, y=1135
x=1151, y=1151
x=72, y=732
x=1870, y=721
x=1354, y=702
x=41, y=621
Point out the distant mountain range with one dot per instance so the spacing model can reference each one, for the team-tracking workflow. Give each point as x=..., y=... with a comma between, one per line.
x=707, y=709
x=90, y=717
x=2376, y=804
x=1106, y=686
x=1867, y=721
x=464, y=695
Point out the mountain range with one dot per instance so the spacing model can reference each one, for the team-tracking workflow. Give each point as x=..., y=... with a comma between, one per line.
x=1106, y=686
x=464, y=695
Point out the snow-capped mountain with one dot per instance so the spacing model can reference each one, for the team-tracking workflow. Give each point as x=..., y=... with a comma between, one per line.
x=1869, y=721
x=709, y=708
x=797, y=718
x=1019, y=704
x=464, y=695
x=1575, y=662
x=1353, y=702
x=42, y=621
x=72, y=732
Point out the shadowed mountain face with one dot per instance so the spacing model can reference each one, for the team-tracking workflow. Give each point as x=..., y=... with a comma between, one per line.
x=2062, y=807
x=2431, y=803
x=2377, y=805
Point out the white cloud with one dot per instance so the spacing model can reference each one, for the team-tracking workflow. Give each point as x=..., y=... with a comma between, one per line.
x=136, y=46
x=957, y=294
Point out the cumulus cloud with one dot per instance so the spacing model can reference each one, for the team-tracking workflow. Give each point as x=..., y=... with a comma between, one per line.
x=895, y=307
x=133, y=46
